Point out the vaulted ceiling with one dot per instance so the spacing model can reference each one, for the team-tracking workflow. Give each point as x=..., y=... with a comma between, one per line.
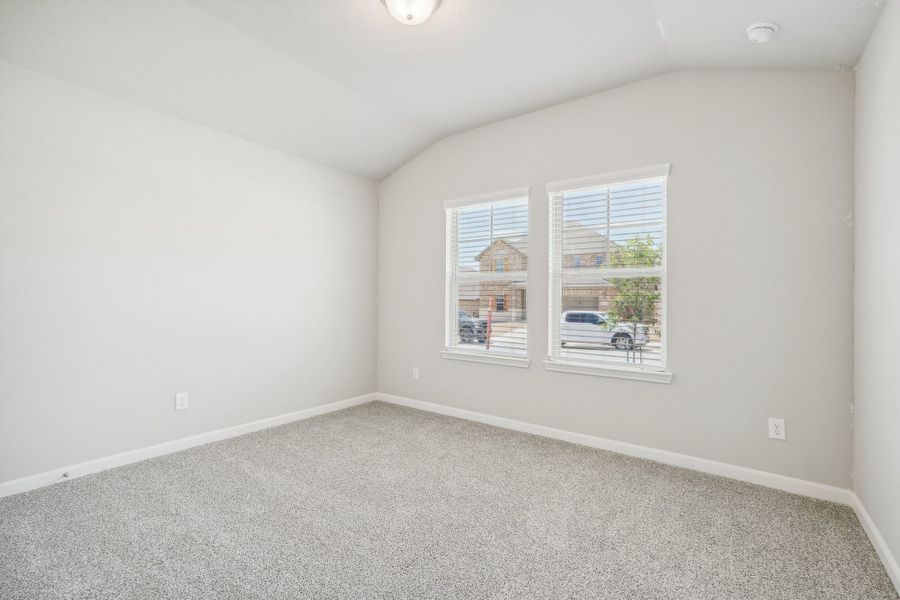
x=342, y=83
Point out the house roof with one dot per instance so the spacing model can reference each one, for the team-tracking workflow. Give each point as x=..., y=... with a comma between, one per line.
x=519, y=244
x=588, y=240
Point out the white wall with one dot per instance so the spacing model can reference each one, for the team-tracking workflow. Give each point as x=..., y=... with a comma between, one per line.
x=759, y=266
x=141, y=255
x=876, y=435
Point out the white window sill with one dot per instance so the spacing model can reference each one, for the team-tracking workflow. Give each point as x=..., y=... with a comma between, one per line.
x=493, y=359
x=606, y=371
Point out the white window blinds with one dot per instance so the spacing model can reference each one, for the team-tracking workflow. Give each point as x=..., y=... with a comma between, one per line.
x=487, y=275
x=607, y=270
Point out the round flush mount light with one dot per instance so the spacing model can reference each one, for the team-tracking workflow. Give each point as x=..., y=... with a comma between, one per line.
x=760, y=33
x=411, y=12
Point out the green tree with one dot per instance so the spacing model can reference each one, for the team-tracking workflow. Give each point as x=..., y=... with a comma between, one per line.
x=636, y=297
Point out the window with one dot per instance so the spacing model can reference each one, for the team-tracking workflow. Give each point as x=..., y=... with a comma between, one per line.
x=487, y=276
x=610, y=312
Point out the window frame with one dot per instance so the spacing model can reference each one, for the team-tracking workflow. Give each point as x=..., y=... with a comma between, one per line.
x=451, y=287
x=556, y=269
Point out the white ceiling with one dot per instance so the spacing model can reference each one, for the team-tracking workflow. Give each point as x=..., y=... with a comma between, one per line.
x=340, y=82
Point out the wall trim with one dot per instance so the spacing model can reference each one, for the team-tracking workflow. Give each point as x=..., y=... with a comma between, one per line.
x=564, y=366
x=594, y=181
x=764, y=478
x=881, y=547
x=484, y=357
x=514, y=194
x=31, y=482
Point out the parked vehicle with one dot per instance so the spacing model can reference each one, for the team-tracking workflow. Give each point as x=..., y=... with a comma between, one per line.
x=592, y=327
x=471, y=329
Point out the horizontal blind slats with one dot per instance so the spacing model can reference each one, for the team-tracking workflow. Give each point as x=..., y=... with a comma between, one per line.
x=607, y=274
x=488, y=293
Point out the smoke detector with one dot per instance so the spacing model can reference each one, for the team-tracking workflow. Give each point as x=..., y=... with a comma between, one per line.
x=760, y=33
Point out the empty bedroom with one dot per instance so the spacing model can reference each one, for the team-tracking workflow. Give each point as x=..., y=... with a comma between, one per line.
x=476, y=299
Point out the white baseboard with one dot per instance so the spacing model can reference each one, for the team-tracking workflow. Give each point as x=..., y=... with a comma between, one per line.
x=881, y=547
x=17, y=486
x=772, y=480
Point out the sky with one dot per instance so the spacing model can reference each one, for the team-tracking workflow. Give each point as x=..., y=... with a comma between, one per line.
x=619, y=213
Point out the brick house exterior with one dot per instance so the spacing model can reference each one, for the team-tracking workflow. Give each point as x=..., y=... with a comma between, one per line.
x=594, y=250
x=507, y=299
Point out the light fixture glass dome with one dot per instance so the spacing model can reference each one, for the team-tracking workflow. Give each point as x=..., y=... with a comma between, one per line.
x=411, y=12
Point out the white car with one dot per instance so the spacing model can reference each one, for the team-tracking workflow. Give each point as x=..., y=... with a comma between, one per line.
x=592, y=327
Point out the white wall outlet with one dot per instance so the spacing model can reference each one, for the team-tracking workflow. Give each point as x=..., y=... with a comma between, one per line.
x=415, y=373
x=182, y=401
x=776, y=429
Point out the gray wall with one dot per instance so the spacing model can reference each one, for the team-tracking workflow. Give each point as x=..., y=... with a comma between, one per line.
x=141, y=255
x=876, y=435
x=759, y=266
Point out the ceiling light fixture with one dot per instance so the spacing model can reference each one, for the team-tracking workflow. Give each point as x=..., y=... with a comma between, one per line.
x=760, y=33
x=411, y=12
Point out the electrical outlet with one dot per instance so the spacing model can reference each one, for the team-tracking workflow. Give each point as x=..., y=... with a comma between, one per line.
x=182, y=401
x=415, y=373
x=776, y=429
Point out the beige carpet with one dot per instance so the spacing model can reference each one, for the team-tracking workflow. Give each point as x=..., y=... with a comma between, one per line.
x=386, y=502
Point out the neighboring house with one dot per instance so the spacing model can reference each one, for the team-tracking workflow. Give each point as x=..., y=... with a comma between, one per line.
x=506, y=299
x=594, y=251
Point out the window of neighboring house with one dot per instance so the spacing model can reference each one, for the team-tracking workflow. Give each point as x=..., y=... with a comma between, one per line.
x=476, y=229
x=622, y=217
